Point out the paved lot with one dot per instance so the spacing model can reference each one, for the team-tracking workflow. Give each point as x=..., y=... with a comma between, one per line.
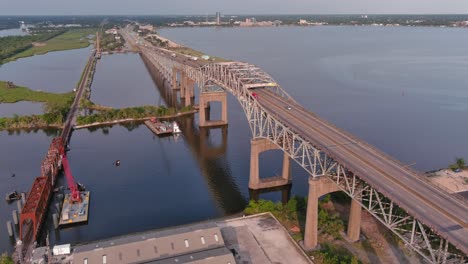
x=452, y=181
x=261, y=239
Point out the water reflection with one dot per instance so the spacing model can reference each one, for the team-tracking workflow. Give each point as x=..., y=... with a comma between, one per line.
x=20, y=108
x=212, y=160
x=122, y=80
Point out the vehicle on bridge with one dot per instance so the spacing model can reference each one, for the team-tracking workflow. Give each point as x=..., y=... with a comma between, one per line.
x=255, y=96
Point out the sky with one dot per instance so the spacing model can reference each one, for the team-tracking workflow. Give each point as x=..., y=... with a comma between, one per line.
x=202, y=7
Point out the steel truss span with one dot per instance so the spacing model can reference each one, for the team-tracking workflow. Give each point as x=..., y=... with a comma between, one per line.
x=428, y=220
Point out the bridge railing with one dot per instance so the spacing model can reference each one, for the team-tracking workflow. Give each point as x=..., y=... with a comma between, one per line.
x=413, y=171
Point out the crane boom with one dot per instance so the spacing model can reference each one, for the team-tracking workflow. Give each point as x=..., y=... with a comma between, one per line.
x=75, y=193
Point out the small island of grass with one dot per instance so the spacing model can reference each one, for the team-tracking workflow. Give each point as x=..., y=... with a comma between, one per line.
x=11, y=93
x=55, y=107
x=26, y=46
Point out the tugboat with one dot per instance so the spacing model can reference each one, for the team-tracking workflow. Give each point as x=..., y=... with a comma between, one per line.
x=175, y=128
x=12, y=196
x=160, y=128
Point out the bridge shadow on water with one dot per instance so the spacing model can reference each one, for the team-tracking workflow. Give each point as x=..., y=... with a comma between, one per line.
x=211, y=159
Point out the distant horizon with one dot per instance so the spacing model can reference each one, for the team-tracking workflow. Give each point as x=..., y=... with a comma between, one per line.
x=244, y=7
x=250, y=14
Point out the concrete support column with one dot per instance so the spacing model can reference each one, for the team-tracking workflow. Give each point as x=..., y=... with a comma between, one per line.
x=205, y=98
x=174, y=78
x=183, y=84
x=286, y=167
x=354, y=223
x=311, y=225
x=258, y=146
x=189, y=91
x=318, y=187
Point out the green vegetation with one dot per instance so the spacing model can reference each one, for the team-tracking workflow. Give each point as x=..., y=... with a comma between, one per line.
x=293, y=213
x=125, y=113
x=459, y=164
x=72, y=39
x=195, y=53
x=56, y=112
x=109, y=43
x=9, y=93
x=289, y=214
x=56, y=107
x=331, y=254
x=12, y=45
x=157, y=41
x=5, y=259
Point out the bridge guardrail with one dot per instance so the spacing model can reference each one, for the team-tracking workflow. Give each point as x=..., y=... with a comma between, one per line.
x=415, y=172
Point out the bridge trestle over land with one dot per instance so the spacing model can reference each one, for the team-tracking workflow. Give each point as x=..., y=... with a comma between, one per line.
x=428, y=220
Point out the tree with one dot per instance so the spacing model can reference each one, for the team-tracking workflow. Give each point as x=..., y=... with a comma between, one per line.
x=5, y=259
x=460, y=162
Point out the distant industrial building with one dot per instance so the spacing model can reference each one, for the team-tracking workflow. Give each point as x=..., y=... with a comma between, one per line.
x=148, y=27
x=218, y=18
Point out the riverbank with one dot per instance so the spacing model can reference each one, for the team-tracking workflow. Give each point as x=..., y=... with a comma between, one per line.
x=333, y=212
x=10, y=93
x=177, y=48
x=114, y=122
x=13, y=45
x=5, y=259
x=71, y=39
x=130, y=112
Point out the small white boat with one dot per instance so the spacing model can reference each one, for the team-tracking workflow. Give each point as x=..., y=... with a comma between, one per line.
x=175, y=128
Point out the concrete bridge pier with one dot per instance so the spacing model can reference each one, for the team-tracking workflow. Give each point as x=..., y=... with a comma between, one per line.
x=174, y=79
x=354, y=223
x=189, y=92
x=258, y=146
x=318, y=187
x=204, y=111
x=183, y=84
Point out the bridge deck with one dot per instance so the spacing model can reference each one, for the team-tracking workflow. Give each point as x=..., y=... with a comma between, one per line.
x=432, y=206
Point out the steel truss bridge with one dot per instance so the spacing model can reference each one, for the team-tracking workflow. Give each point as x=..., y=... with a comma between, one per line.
x=428, y=219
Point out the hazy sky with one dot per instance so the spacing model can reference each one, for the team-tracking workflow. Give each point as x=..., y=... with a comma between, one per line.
x=160, y=7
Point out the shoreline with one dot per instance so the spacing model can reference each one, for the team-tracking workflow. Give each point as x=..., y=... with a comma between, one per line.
x=118, y=121
x=8, y=60
x=112, y=122
x=165, y=27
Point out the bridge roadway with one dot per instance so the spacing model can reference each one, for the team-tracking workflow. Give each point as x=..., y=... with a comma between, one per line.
x=433, y=207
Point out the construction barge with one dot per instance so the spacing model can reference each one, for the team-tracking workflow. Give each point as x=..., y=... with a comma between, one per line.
x=162, y=128
x=74, y=212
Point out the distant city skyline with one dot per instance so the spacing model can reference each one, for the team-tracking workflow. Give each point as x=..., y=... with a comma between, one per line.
x=240, y=7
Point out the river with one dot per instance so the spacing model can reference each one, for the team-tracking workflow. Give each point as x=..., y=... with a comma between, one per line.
x=12, y=32
x=402, y=89
x=56, y=72
x=397, y=88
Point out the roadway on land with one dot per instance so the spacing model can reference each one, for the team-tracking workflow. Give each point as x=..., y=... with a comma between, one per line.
x=432, y=206
x=147, y=46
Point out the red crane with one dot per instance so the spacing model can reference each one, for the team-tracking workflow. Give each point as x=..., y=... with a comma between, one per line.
x=75, y=193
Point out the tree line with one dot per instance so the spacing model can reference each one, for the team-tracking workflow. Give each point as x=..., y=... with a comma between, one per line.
x=12, y=45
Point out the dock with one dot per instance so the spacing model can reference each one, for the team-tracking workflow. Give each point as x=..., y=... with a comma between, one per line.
x=159, y=128
x=73, y=213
